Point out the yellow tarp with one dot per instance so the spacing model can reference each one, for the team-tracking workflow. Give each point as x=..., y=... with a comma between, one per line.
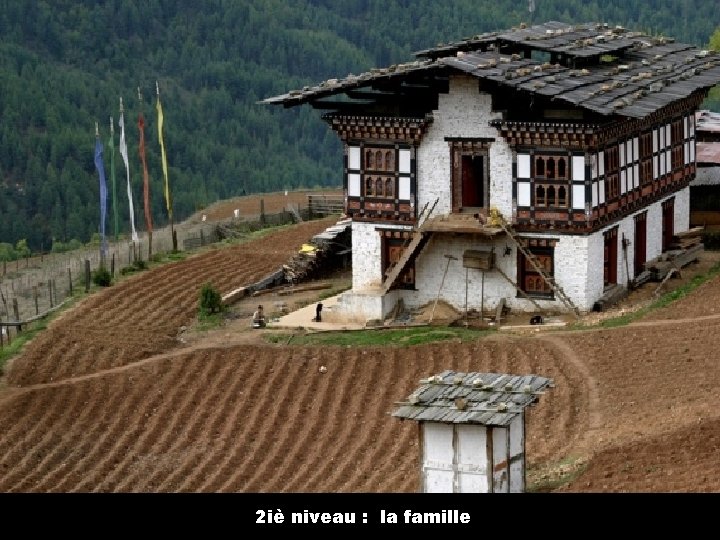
x=307, y=248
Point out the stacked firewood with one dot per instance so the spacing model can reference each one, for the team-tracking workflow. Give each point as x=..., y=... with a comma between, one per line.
x=687, y=239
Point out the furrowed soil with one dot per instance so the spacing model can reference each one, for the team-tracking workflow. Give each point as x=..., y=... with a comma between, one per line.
x=122, y=393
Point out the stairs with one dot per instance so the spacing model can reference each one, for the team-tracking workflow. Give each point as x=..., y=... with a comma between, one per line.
x=418, y=241
x=559, y=293
x=412, y=247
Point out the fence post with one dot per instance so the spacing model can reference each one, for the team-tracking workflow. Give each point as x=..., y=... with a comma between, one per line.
x=35, y=297
x=202, y=238
x=87, y=275
x=50, y=291
x=262, y=211
x=70, y=281
x=112, y=265
x=16, y=310
x=310, y=207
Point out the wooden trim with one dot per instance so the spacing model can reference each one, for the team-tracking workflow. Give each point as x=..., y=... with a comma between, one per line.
x=410, y=130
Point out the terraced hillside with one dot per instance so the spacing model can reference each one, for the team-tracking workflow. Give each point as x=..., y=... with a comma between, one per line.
x=108, y=400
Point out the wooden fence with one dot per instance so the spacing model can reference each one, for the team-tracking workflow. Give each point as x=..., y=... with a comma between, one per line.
x=35, y=286
x=325, y=205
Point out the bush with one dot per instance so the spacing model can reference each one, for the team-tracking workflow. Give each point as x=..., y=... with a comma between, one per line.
x=711, y=240
x=101, y=277
x=210, y=300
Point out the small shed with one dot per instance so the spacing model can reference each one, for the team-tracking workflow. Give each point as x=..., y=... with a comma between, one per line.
x=472, y=430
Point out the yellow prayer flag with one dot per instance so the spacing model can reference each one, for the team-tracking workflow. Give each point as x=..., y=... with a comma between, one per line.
x=168, y=200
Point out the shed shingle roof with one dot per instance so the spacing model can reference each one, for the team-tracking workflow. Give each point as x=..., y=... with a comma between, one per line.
x=472, y=398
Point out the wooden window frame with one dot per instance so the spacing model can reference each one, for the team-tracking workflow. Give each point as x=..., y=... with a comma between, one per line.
x=530, y=281
x=396, y=239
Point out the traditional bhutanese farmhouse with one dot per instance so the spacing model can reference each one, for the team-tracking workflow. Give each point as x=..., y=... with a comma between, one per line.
x=472, y=430
x=541, y=165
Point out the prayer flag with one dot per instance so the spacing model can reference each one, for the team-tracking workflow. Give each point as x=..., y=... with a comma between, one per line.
x=123, y=151
x=100, y=166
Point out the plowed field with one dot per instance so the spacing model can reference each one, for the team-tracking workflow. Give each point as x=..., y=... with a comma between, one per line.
x=107, y=399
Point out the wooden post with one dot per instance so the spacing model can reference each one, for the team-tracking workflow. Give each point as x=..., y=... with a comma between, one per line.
x=262, y=211
x=87, y=275
x=466, y=290
x=16, y=309
x=442, y=282
x=70, y=281
x=202, y=238
x=35, y=297
x=310, y=208
x=482, y=297
x=112, y=265
x=51, y=290
x=130, y=254
x=174, y=241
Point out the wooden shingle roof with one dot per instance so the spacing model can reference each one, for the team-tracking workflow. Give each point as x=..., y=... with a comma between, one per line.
x=610, y=71
x=492, y=399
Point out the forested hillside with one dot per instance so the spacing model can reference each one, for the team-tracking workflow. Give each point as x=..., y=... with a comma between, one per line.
x=64, y=64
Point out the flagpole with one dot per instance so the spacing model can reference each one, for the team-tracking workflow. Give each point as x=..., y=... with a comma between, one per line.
x=112, y=176
x=123, y=152
x=168, y=197
x=146, y=180
x=97, y=141
x=103, y=193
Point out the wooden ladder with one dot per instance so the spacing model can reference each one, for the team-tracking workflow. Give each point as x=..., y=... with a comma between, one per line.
x=550, y=280
x=415, y=240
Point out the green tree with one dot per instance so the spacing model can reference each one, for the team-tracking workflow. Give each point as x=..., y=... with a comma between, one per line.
x=22, y=249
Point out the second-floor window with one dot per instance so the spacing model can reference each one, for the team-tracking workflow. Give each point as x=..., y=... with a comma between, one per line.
x=379, y=172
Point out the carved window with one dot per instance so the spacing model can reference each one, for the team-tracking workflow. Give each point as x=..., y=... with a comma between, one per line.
x=382, y=173
x=562, y=169
x=551, y=195
x=389, y=160
x=551, y=167
x=562, y=197
x=677, y=144
x=646, y=153
x=530, y=280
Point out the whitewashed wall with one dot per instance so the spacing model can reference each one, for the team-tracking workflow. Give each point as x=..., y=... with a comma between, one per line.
x=463, y=112
x=366, y=256
x=455, y=458
x=626, y=227
x=682, y=210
